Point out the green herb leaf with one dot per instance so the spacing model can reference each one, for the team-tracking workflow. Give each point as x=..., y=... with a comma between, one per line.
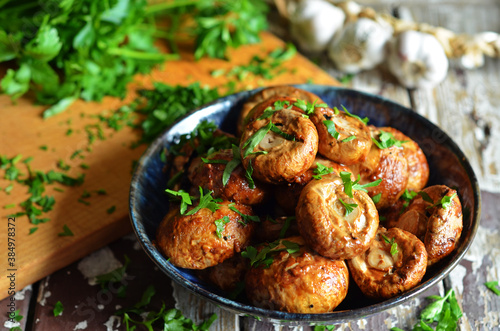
x=184, y=197
x=387, y=140
x=66, y=232
x=206, y=201
x=376, y=198
x=321, y=170
x=231, y=165
x=364, y=120
x=246, y=218
x=220, y=225
x=493, y=286
x=265, y=256
x=255, y=139
x=111, y=210
x=330, y=127
x=58, y=309
x=393, y=243
x=349, y=207
x=278, y=131
x=350, y=138
x=426, y=197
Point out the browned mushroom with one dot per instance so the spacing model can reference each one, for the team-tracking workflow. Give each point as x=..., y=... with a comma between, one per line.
x=395, y=262
x=287, y=195
x=333, y=223
x=298, y=280
x=342, y=138
x=280, y=144
x=226, y=275
x=210, y=173
x=418, y=168
x=435, y=216
x=206, y=237
x=281, y=90
x=272, y=229
x=387, y=163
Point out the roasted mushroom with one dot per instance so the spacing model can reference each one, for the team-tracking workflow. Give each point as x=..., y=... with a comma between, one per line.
x=227, y=275
x=298, y=280
x=281, y=90
x=287, y=195
x=434, y=216
x=280, y=144
x=205, y=238
x=342, y=138
x=395, y=263
x=385, y=161
x=418, y=168
x=223, y=173
x=272, y=229
x=333, y=223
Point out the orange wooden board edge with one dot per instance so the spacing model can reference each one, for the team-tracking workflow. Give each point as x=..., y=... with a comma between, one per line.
x=23, y=131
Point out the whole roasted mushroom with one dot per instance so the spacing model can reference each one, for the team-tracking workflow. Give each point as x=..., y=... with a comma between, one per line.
x=297, y=280
x=279, y=144
x=434, y=216
x=205, y=238
x=394, y=263
x=333, y=223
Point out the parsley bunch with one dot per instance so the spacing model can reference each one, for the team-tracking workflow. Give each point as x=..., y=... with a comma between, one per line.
x=75, y=49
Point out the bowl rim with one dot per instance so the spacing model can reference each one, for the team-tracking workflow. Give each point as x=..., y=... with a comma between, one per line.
x=279, y=316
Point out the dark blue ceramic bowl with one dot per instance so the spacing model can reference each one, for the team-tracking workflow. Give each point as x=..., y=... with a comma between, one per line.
x=448, y=165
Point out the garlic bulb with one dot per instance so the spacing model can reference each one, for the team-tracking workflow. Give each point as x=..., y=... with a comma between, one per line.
x=417, y=59
x=360, y=46
x=314, y=23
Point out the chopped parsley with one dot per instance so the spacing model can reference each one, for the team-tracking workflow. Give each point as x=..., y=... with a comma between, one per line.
x=321, y=170
x=246, y=218
x=265, y=256
x=115, y=276
x=364, y=120
x=184, y=197
x=349, y=185
x=58, y=309
x=111, y=210
x=376, y=198
x=286, y=226
x=387, y=140
x=308, y=107
x=445, y=202
x=206, y=201
x=66, y=232
x=493, y=286
x=255, y=139
x=350, y=138
x=220, y=225
x=349, y=207
x=231, y=165
x=330, y=127
x=393, y=243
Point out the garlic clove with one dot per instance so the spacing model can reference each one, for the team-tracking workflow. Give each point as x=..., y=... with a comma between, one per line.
x=360, y=45
x=417, y=60
x=313, y=24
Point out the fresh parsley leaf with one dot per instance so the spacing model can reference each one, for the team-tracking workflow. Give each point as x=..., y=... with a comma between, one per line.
x=349, y=185
x=364, y=120
x=206, y=201
x=349, y=207
x=184, y=197
x=286, y=226
x=493, y=286
x=376, y=198
x=426, y=197
x=252, y=142
x=111, y=210
x=231, y=165
x=246, y=218
x=321, y=170
x=33, y=229
x=350, y=138
x=393, y=243
x=58, y=309
x=248, y=175
x=278, y=131
x=446, y=201
x=387, y=140
x=220, y=225
x=265, y=256
x=330, y=127
x=115, y=276
x=66, y=232
x=324, y=327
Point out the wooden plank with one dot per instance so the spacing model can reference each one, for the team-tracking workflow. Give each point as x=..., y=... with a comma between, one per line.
x=23, y=131
x=20, y=301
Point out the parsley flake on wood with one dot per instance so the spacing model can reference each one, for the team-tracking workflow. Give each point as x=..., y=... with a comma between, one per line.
x=58, y=309
x=111, y=210
x=493, y=286
x=444, y=311
x=66, y=232
x=115, y=276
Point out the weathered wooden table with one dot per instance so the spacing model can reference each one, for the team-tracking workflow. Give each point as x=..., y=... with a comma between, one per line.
x=466, y=105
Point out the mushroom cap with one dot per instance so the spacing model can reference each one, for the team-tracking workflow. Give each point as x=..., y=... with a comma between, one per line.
x=382, y=275
x=323, y=223
x=301, y=282
x=191, y=241
x=262, y=95
x=284, y=159
x=338, y=149
x=439, y=228
x=389, y=164
x=209, y=176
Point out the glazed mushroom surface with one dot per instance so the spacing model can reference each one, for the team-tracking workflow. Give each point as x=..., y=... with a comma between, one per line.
x=395, y=262
x=435, y=216
x=327, y=224
x=342, y=138
x=191, y=241
x=301, y=281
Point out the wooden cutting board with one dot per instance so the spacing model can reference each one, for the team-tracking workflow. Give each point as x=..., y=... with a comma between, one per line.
x=23, y=131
